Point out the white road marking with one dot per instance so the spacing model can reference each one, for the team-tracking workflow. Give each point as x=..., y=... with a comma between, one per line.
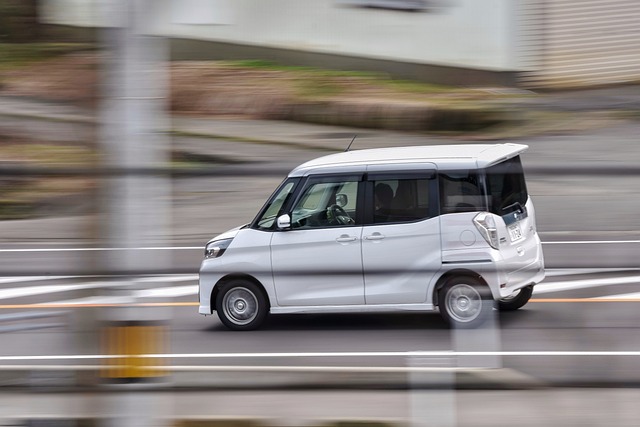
x=192, y=289
x=635, y=295
x=164, y=291
x=560, y=272
x=391, y=354
x=168, y=278
x=175, y=291
x=254, y=368
x=23, y=279
x=361, y=354
x=591, y=242
x=50, y=289
x=150, y=248
x=549, y=287
x=89, y=301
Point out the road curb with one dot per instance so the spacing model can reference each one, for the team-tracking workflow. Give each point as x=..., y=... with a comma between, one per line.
x=69, y=377
x=238, y=421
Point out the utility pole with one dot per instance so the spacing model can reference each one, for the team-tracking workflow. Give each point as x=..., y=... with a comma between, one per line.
x=133, y=138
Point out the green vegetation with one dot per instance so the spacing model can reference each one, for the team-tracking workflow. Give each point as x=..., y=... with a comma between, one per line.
x=257, y=422
x=305, y=146
x=43, y=154
x=326, y=82
x=629, y=114
x=22, y=198
x=10, y=209
x=19, y=21
x=187, y=160
x=411, y=86
x=274, y=66
x=15, y=55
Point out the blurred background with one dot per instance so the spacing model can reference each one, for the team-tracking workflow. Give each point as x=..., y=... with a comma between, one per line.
x=133, y=131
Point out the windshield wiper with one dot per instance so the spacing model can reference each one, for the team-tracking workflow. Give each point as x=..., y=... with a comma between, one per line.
x=517, y=205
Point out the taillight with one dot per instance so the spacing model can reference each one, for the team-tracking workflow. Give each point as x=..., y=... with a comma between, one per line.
x=486, y=225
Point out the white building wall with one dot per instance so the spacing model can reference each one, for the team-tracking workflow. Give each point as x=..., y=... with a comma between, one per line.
x=577, y=43
x=475, y=34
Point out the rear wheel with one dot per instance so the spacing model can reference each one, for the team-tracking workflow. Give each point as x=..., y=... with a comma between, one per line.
x=241, y=305
x=516, y=300
x=465, y=302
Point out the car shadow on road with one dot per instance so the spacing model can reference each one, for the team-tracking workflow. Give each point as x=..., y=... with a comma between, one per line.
x=350, y=322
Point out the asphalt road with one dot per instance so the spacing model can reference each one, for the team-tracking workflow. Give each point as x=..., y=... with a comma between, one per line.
x=585, y=221
x=580, y=327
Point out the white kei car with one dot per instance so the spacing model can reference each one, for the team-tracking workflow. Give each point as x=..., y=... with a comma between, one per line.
x=383, y=230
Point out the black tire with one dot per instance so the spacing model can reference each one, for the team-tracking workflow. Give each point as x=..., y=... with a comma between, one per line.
x=516, y=300
x=242, y=305
x=465, y=302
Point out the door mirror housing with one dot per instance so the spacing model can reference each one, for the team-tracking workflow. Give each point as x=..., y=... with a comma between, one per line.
x=283, y=222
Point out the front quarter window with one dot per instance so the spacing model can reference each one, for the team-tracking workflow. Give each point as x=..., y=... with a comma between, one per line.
x=268, y=214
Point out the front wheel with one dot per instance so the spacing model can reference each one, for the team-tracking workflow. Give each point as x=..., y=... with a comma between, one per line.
x=241, y=305
x=465, y=302
x=517, y=300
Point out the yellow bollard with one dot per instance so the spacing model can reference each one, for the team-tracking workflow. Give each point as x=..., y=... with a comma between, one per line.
x=129, y=345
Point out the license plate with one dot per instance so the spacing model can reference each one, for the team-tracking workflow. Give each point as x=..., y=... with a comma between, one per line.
x=515, y=233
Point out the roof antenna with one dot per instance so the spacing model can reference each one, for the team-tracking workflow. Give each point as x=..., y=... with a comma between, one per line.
x=354, y=138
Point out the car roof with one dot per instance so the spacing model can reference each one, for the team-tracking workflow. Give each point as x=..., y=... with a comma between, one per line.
x=443, y=157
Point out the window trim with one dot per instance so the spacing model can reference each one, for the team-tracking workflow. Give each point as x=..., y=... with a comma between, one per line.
x=311, y=179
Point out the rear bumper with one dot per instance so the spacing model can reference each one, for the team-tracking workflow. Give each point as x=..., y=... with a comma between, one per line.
x=531, y=274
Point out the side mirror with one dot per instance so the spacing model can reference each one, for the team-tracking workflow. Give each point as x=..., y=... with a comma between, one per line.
x=342, y=200
x=283, y=222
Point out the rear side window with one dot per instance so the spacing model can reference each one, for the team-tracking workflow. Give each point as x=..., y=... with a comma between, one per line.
x=400, y=200
x=506, y=187
x=461, y=191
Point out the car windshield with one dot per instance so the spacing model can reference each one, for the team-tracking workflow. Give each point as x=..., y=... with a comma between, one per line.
x=506, y=187
x=270, y=211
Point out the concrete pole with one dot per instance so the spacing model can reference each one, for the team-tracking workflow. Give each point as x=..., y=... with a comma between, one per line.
x=136, y=207
x=133, y=132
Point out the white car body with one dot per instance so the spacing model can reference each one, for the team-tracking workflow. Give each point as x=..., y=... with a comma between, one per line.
x=365, y=265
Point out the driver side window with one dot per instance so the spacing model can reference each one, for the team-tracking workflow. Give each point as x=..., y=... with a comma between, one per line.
x=326, y=202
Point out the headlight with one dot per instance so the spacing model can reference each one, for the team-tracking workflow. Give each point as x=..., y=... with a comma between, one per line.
x=216, y=248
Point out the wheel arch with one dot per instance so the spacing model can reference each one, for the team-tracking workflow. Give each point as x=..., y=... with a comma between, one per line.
x=458, y=272
x=236, y=276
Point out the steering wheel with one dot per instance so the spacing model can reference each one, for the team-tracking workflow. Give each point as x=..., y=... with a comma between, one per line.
x=337, y=215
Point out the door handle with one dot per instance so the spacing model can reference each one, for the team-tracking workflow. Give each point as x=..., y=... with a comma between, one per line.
x=374, y=236
x=346, y=239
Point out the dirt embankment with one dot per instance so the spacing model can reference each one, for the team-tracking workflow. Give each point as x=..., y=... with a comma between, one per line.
x=226, y=89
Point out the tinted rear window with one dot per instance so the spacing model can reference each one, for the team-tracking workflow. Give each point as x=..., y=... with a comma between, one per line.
x=461, y=191
x=506, y=187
